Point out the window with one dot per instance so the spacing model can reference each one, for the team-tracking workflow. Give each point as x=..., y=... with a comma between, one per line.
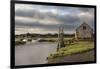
x=84, y=27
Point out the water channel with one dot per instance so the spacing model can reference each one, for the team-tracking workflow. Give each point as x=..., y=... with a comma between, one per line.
x=33, y=53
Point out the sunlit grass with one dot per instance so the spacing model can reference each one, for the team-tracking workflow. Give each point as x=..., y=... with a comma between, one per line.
x=75, y=48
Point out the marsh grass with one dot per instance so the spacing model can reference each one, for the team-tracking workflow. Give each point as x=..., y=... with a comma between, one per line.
x=79, y=47
x=19, y=43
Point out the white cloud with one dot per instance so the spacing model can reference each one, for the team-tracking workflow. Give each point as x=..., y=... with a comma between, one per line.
x=33, y=30
x=24, y=19
x=23, y=7
x=86, y=15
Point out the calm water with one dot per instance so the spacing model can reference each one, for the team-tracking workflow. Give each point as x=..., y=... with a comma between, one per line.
x=33, y=53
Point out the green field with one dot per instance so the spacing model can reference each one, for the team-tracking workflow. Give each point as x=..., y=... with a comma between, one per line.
x=77, y=47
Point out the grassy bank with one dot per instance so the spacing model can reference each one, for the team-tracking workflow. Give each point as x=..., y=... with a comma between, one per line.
x=75, y=48
x=52, y=39
x=46, y=40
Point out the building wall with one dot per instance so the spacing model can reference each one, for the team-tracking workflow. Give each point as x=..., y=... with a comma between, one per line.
x=84, y=32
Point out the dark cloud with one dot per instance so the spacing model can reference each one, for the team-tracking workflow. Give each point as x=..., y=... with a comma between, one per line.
x=70, y=21
x=87, y=10
x=24, y=13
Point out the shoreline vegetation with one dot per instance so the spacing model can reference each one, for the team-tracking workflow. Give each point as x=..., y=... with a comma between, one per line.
x=19, y=42
x=76, y=48
x=79, y=57
x=28, y=37
x=46, y=40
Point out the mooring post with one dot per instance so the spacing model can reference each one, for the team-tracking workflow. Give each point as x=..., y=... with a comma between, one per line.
x=60, y=38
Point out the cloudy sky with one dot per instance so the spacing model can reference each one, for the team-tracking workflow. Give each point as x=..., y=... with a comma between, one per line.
x=47, y=19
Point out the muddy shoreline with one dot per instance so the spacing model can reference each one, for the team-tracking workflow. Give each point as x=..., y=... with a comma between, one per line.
x=82, y=57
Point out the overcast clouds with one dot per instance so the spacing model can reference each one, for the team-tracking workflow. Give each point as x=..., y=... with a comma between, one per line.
x=47, y=19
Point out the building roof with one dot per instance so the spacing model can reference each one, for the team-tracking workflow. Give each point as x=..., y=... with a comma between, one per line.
x=83, y=25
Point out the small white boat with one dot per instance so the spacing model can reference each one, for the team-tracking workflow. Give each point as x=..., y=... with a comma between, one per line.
x=24, y=40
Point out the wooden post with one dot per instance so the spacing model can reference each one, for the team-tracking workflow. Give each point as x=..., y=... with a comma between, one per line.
x=60, y=38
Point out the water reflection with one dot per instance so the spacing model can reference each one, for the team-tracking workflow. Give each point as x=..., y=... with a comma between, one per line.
x=33, y=53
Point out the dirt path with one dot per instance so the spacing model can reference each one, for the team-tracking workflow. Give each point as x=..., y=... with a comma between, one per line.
x=87, y=56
